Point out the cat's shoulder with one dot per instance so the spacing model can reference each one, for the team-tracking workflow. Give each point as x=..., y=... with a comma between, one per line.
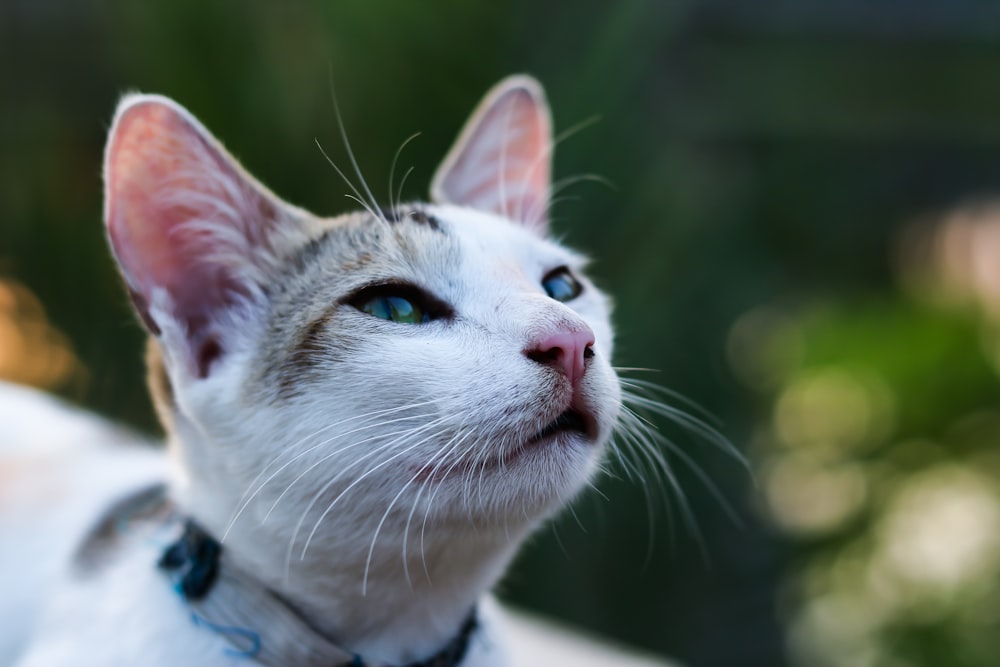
x=60, y=468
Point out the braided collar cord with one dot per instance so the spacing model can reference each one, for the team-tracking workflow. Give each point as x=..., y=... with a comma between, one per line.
x=230, y=603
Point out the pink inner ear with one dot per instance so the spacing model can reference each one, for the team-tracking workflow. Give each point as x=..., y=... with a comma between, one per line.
x=181, y=218
x=502, y=161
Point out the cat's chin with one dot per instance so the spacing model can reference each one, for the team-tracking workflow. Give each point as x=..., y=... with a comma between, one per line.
x=557, y=444
x=571, y=436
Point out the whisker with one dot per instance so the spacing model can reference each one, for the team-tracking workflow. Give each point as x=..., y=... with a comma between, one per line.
x=377, y=413
x=482, y=458
x=653, y=388
x=399, y=190
x=690, y=423
x=598, y=491
x=638, y=441
x=546, y=154
x=711, y=486
x=562, y=184
x=634, y=474
x=357, y=481
x=392, y=171
x=350, y=151
x=365, y=205
x=328, y=456
x=481, y=461
x=442, y=454
x=335, y=478
x=576, y=517
x=430, y=502
x=358, y=196
x=554, y=527
x=244, y=500
x=647, y=495
x=652, y=457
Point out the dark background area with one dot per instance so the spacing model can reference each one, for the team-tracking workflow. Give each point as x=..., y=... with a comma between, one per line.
x=772, y=164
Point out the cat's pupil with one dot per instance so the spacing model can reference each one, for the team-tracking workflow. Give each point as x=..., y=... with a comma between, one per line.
x=394, y=309
x=561, y=285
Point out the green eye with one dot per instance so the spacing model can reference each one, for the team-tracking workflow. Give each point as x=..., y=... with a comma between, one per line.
x=399, y=301
x=561, y=285
x=394, y=309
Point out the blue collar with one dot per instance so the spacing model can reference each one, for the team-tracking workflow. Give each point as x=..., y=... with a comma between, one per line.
x=229, y=603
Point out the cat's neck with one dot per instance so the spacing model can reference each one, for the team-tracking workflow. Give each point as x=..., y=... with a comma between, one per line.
x=392, y=619
x=368, y=600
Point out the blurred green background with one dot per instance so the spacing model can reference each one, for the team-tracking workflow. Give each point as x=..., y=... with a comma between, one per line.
x=802, y=237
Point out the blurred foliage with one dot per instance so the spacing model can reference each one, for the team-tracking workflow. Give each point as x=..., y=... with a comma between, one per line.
x=881, y=458
x=770, y=160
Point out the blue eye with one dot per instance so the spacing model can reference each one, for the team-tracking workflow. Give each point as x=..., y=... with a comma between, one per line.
x=394, y=309
x=560, y=285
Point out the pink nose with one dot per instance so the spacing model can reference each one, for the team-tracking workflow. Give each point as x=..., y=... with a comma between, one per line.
x=567, y=351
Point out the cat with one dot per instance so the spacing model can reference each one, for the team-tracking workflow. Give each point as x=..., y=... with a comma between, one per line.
x=366, y=416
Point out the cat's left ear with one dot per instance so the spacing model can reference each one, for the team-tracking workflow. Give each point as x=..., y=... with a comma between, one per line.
x=502, y=160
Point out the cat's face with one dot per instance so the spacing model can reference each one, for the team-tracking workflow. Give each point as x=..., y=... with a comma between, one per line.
x=479, y=281
x=440, y=361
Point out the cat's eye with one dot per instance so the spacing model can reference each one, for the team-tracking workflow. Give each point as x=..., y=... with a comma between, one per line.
x=394, y=309
x=404, y=303
x=560, y=285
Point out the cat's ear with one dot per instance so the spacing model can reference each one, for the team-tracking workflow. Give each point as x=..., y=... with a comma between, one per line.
x=193, y=233
x=502, y=160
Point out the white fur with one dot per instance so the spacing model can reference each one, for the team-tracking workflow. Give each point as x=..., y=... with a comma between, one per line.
x=381, y=487
x=469, y=376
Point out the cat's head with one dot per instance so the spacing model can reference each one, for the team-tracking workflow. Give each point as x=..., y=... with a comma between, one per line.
x=443, y=361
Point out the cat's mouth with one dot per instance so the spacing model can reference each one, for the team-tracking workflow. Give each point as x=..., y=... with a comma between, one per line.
x=571, y=421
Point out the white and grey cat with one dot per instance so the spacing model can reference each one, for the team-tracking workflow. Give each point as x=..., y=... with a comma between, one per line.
x=369, y=412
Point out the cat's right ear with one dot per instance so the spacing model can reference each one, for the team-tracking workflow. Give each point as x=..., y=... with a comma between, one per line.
x=195, y=236
x=502, y=160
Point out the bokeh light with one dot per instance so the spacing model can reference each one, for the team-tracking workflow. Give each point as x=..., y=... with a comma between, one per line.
x=32, y=350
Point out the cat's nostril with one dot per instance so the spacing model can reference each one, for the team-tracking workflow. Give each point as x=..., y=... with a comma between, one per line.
x=545, y=356
x=567, y=351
